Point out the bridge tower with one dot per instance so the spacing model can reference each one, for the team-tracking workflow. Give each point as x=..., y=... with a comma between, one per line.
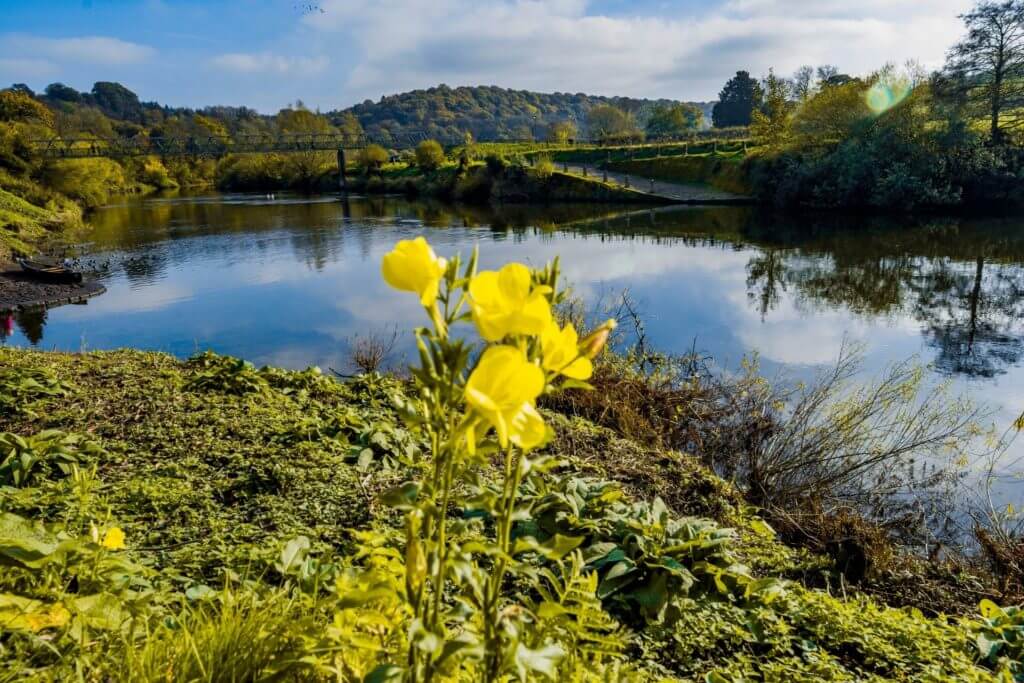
x=342, y=181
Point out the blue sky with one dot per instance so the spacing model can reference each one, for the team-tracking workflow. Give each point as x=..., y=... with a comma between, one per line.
x=268, y=53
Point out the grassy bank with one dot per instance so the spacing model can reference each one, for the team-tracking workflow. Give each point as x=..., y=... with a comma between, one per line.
x=246, y=498
x=724, y=171
x=497, y=181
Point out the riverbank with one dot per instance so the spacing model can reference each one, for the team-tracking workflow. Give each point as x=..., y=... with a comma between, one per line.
x=501, y=182
x=212, y=469
x=19, y=291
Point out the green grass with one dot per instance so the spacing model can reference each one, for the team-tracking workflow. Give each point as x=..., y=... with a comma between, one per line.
x=211, y=467
x=724, y=171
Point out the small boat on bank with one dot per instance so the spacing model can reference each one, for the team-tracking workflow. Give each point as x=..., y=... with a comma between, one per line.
x=51, y=272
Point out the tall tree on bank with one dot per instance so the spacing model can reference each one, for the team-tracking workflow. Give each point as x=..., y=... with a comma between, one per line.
x=985, y=70
x=770, y=125
x=737, y=101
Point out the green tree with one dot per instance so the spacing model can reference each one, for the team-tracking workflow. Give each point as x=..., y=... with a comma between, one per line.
x=117, y=101
x=349, y=126
x=306, y=168
x=831, y=115
x=83, y=121
x=607, y=123
x=561, y=132
x=62, y=93
x=17, y=106
x=673, y=121
x=770, y=125
x=737, y=101
x=371, y=158
x=429, y=155
x=985, y=70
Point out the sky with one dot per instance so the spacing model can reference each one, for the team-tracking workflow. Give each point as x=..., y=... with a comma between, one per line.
x=335, y=53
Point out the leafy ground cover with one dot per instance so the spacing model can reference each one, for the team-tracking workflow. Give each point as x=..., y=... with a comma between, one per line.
x=201, y=520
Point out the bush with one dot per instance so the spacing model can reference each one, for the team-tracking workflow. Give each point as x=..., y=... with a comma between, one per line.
x=371, y=158
x=544, y=167
x=429, y=155
x=90, y=181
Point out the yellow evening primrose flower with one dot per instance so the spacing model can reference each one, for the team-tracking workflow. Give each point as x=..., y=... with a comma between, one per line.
x=412, y=266
x=113, y=539
x=503, y=303
x=561, y=353
x=502, y=390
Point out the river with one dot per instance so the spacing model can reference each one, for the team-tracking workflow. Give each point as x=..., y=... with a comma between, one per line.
x=290, y=281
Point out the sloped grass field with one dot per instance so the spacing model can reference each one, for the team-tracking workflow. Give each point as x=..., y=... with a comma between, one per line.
x=246, y=498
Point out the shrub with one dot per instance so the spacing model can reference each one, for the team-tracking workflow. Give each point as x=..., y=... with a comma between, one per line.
x=20, y=106
x=90, y=181
x=371, y=158
x=543, y=167
x=429, y=155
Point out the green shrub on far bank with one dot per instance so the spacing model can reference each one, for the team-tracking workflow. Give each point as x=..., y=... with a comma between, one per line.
x=429, y=155
x=89, y=181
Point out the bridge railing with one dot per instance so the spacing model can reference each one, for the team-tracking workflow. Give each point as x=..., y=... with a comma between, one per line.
x=211, y=145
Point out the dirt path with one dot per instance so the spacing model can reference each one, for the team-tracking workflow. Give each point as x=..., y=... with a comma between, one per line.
x=678, y=192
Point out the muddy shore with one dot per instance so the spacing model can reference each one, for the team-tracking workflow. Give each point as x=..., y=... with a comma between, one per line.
x=19, y=292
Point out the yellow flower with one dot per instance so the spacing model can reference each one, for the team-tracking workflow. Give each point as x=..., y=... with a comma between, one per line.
x=596, y=340
x=412, y=266
x=503, y=303
x=113, y=539
x=562, y=354
x=502, y=390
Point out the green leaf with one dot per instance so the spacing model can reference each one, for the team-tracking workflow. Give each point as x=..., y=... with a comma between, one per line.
x=555, y=548
x=385, y=673
x=200, y=592
x=401, y=497
x=23, y=614
x=543, y=661
x=989, y=609
x=987, y=647
x=24, y=544
x=293, y=554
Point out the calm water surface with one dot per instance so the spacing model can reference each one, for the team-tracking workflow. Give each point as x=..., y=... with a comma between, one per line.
x=289, y=281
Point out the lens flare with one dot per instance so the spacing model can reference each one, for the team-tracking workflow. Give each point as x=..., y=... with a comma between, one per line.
x=886, y=94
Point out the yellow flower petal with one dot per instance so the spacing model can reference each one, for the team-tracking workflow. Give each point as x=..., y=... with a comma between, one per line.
x=503, y=303
x=412, y=266
x=561, y=352
x=502, y=389
x=113, y=539
x=527, y=428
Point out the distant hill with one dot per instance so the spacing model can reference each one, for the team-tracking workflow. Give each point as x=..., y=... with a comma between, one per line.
x=488, y=112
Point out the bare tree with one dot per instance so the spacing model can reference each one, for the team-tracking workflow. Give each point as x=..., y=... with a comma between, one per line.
x=803, y=82
x=985, y=70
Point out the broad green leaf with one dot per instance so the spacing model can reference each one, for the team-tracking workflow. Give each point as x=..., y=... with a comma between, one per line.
x=18, y=613
x=555, y=548
x=292, y=555
x=989, y=609
x=385, y=673
x=543, y=661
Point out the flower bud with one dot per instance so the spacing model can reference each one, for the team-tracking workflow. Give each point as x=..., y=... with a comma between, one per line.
x=595, y=341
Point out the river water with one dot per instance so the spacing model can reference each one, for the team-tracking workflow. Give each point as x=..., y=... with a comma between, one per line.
x=289, y=281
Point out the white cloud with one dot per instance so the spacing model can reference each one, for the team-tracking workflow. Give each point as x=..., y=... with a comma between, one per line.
x=264, y=62
x=402, y=44
x=20, y=68
x=85, y=50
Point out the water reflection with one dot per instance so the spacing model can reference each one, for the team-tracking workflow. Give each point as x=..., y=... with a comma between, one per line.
x=290, y=280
